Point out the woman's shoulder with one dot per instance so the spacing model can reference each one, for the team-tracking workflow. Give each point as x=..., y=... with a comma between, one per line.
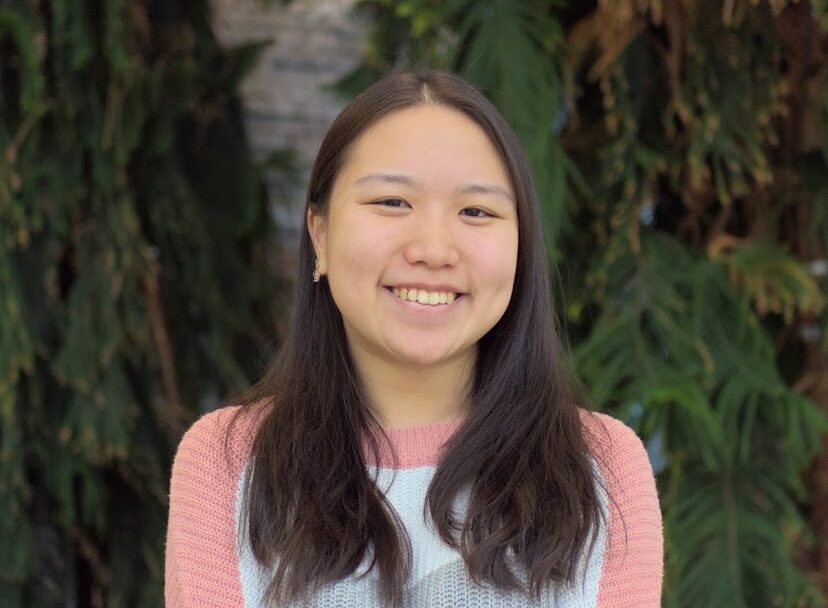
x=633, y=564
x=616, y=446
x=201, y=565
x=221, y=438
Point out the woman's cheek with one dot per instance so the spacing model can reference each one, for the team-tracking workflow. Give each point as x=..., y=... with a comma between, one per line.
x=494, y=261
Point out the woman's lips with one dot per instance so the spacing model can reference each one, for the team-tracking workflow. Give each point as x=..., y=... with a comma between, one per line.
x=426, y=309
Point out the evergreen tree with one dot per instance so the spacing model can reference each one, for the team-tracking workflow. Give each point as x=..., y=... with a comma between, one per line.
x=681, y=154
x=135, y=284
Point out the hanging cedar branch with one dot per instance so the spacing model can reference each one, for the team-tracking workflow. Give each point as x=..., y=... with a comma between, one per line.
x=134, y=281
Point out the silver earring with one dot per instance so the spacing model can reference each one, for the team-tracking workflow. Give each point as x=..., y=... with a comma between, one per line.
x=316, y=275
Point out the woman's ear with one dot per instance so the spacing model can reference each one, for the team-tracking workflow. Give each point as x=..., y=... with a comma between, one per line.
x=317, y=229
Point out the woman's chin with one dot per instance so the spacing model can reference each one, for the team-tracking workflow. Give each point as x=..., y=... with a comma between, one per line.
x=424, y=357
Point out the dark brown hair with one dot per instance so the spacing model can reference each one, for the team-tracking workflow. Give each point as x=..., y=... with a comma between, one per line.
x=311, y=501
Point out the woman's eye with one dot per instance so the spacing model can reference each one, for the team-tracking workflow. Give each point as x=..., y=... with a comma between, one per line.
x=391, y=202
x=475, y=212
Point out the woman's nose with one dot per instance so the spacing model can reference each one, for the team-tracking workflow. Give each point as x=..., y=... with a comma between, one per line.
x=432, y=242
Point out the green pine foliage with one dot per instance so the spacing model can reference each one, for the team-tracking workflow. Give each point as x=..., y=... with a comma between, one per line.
x=681, y=155
x=134, y=282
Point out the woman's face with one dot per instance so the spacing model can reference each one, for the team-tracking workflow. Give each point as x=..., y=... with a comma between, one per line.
x=423, y=210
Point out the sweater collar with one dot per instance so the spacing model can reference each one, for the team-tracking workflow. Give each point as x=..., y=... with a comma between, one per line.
x=415, y=446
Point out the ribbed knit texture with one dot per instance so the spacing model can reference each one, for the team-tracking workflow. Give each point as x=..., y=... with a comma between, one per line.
x=208, y=564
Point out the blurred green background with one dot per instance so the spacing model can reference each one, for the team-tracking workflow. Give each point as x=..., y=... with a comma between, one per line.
x=681, y=152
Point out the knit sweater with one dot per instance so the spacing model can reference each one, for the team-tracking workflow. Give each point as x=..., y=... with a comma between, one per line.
x=209, y=562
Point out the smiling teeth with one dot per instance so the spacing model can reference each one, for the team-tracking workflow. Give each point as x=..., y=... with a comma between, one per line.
x=421, y=296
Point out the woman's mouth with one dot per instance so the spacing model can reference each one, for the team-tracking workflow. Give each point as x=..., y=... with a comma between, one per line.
x=424, y=296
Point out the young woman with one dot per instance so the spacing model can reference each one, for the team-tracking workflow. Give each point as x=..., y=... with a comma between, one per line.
x=416, y=442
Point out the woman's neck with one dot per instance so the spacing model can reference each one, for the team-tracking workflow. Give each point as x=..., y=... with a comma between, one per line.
x=405, y=396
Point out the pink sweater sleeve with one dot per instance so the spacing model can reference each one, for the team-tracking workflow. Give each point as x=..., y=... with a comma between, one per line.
x=633, y=564
x=201, y=565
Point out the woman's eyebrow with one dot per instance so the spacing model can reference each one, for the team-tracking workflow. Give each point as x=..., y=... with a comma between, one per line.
x=470, y=188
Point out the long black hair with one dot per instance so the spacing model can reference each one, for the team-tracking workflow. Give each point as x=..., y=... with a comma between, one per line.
x=311, y=502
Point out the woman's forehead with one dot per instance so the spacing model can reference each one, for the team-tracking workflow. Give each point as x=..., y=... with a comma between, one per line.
x=426, y=146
